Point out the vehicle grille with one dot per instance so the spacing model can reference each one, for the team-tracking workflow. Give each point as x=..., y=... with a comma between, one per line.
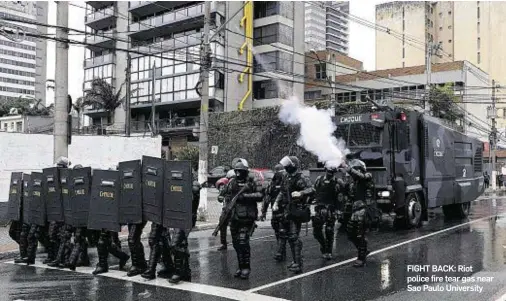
x=358, y=134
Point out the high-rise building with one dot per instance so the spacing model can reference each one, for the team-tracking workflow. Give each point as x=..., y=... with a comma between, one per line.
x=327, y=25
x=23, y=64
x=465, y=30
x=169, y=35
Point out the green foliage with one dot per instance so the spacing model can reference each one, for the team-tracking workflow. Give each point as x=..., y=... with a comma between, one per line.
x=189, y=153
x=26, y=106
x=443, y=103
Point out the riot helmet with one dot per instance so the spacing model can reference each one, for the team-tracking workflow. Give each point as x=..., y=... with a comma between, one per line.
x=290, y=163
x=279, y=168
x=78, y=166
x=241, y=170
x=330, y=171
x=230, y=174
x=358, y=165
x=62, y=162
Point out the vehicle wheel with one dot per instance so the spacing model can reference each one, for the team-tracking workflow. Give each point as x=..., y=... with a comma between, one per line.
x=412, y=212
x=448, y=211
x=462, y=210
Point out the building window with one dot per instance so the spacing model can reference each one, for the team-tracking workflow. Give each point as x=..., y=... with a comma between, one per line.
x=273, y=33
x=19, y=126
x=266, y=89
x=449, y=27
x=440, y=28
x=321, y=71
x=479, y=58
x=449, y=12
x=479, y=43
x=264, y=9
x=440, y=15
x=403, y=25
x=275, y=60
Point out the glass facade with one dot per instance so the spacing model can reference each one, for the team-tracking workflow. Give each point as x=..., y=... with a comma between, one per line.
x=273, y=33
x=264, y=9
x=275, y=60
x=106, y=72
x=269, y=89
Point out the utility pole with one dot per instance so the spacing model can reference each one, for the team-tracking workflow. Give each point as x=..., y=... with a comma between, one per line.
x=432, y=49
x=127, y=99
x=204, y=105
x=153, y=124
x=493, y=139
x=61, y=82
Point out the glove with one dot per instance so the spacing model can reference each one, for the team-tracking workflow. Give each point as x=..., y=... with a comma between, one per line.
x=296, y=194
x=275, y=207
x=221, y=198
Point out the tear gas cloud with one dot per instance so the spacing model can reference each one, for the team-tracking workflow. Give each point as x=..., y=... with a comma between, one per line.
x=316, y=131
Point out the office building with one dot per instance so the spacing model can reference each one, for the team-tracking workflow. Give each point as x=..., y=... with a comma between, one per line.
x=23, y=64
x=327, y=25
x=168, y=35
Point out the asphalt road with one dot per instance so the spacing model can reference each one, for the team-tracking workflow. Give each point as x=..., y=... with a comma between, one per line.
x=477, y=243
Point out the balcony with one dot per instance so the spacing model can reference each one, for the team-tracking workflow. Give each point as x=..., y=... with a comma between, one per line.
x=100, y=40
x=167, y=125
x=169, y=44
x=144, y=8
x=104, y=18
x=184, y=19
x=99, y=4
x=99, y=60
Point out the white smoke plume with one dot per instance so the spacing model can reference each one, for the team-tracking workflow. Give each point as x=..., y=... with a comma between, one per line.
x=316, y=131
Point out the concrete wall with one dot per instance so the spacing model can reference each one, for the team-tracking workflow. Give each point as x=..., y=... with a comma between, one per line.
x=389, y=48
x=30, y=152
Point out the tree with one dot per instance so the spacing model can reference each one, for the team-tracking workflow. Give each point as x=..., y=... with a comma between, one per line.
x=443, y=104
x=189, y=153
x=26, y=106
x=78, y=106
x=102, y=96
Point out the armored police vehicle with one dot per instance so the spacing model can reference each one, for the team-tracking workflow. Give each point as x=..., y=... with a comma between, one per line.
x=417, y=162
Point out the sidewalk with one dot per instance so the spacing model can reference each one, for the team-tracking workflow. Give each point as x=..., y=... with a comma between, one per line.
x=9, y=248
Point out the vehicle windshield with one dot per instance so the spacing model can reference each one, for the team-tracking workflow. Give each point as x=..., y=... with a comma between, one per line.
x=359, y=134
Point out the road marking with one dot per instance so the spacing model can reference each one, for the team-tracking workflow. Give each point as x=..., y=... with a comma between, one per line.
x=212, y=290
x=259, y=288
x=229, y=244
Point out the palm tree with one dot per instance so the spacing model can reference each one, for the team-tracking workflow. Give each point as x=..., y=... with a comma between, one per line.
x=78, y=106
x=102, y=96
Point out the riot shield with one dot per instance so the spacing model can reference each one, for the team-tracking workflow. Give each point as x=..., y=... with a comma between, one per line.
x=66, y=188
x=152, y=189
x=26, y=199
x=104, y=204
x=15, y=197
x=80, y=196
x=52, y=190
x=130, y=201
x=177, y=197
x=37, y=199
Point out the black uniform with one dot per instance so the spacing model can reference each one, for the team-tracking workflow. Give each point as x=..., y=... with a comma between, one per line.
x=223, y=230
x=136, y=247
x=296, y=189
x=158, y=241
x=278, y=217
x=345, y=203
x=362, y=194
x=243, y=216
x=327, y=188
x=79, y=249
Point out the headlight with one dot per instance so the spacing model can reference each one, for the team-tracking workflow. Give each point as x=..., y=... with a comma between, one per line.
x=384, y=194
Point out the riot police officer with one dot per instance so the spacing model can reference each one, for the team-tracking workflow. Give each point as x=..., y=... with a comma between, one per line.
x=278, y=217
x=295, y=192
x=345, y=203
x=243, y=214
x=326, y=189
x=106, y=246
x=362, y=195
x=223, y=230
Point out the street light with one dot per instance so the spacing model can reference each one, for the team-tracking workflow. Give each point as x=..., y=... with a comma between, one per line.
x=330, y=82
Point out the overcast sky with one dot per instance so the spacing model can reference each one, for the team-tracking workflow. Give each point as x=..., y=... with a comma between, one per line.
x=362, y=45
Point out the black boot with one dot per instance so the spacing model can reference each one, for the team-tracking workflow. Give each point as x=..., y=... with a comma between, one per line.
x=182, y=268
x=281, y=254
x=122, y=256
x=168, y=265
x=74, y=256
x=297, y=252
x=239, y=263
x=31, y=251
x=139, y=265
x=50, y=253
x=150, y=273
x=246, y=269
x=103, y=254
